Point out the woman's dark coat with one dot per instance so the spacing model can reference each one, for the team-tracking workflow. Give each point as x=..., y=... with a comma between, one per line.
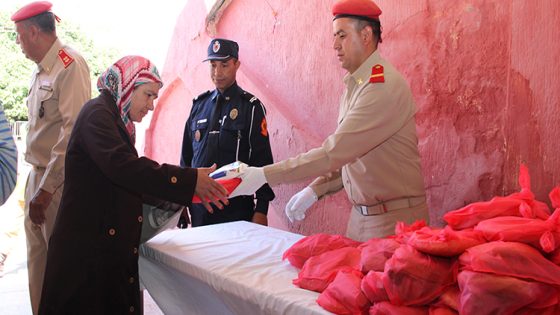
x=92, y=262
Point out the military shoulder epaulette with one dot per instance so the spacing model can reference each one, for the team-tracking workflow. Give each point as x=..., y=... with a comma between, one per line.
x=203, y=95
x=65, y=58
x=250, y=97
x=377, y=74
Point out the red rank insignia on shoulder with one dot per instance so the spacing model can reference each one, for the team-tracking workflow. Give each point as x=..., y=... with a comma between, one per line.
x=377, y=75
x=65, y=58
x=264, y=130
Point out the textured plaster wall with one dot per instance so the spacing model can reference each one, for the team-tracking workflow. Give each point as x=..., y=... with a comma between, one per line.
x=485, y=75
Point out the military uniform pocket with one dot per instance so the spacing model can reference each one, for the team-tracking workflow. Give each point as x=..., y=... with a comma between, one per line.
x=48, y=106
x=231, y=133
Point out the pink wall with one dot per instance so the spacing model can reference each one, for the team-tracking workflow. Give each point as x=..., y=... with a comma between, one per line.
x=485, y=75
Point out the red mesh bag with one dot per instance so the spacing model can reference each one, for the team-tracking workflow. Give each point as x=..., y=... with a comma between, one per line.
x=403, y=228
x=414, y=278
x=471, y=214
x=535, y=232
x=554, y=197
x=552, y=310
x=319, y=271
x=510, y=259
x=314, y=245
x=484, y=293
x=449, y=298
x=555, y=256
x=375, y=253
x=445, y=242
x=372, y=286
x=555, y=200
x=404, y=231
x=538, y=209
x=521, y=204
x=441, y=310
x=386, y=308
x=343, y=295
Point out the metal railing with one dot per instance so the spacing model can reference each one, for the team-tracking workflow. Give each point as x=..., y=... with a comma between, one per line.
x=19, y=129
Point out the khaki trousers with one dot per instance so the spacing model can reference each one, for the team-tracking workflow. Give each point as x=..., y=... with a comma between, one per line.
x=362, y=228
x=38, y=237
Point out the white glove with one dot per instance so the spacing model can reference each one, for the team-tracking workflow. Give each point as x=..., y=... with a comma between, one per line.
x=299, y=203
x=252, y=178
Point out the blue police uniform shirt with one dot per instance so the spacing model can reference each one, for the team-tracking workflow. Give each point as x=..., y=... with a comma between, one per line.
x=239, y=134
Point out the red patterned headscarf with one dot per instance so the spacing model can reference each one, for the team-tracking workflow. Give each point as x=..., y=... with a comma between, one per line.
x=122, y=78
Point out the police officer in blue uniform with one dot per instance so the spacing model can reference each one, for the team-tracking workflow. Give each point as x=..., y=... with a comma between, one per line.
x=226, y=125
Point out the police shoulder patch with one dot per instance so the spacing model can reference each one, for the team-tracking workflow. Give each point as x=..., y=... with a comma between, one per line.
x=202, y=95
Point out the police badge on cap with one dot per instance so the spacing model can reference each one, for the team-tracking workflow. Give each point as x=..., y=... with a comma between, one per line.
x=222, y=49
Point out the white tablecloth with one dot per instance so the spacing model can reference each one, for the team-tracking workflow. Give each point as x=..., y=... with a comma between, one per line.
x=231, y=268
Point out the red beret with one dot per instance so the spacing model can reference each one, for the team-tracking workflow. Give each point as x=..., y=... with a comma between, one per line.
x=365, y=9
x=30, y=10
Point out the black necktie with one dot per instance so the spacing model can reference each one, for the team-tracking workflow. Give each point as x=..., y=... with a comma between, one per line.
x=214, y=132
x=215, y=120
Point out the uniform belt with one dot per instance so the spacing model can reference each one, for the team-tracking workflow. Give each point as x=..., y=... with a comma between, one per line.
x=390, y=205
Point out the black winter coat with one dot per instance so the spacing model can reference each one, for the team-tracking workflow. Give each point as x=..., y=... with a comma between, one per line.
x=92, y=261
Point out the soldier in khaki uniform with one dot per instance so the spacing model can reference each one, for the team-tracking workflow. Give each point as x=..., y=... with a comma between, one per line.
x=373, y=153
x=60, y=85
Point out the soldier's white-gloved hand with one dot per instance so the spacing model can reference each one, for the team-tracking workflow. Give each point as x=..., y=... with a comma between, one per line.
x=299, y=203
x=252, y=178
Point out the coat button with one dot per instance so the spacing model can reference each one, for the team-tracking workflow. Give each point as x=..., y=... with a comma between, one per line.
x=173, y=179
x=112, y=232
x=131, y=280
x=140, y=219
x=131, y=309
x=135, y=250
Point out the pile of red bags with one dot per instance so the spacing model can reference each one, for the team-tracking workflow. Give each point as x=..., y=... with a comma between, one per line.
x=496, y=257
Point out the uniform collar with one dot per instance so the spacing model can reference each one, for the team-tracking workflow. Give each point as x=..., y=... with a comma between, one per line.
x=363, y=73
x=229, y=93
x=49, y=60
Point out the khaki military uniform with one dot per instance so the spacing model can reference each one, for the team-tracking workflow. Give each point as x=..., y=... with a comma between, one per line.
x=373, y=153
x=60, y=86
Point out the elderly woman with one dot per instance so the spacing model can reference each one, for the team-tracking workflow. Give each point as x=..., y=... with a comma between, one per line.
x=92, y=262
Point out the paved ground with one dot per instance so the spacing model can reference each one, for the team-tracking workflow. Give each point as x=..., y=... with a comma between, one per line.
x=14, y=292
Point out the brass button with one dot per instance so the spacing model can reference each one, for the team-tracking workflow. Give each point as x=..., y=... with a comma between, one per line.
x=112, y=232
x=173, y=179
x=135, y=250
x=131, y=309
x=140, y=219
x=131, y=280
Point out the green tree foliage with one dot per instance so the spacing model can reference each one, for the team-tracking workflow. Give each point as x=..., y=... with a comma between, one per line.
x=16, y=70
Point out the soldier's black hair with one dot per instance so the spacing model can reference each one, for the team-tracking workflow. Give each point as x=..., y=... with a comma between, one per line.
x=44, y=21
x=375, y=26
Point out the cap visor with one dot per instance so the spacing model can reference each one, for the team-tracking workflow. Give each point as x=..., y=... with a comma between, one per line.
x=217, y=58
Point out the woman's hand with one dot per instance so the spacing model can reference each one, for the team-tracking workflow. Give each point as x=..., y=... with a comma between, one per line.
x=208, y=190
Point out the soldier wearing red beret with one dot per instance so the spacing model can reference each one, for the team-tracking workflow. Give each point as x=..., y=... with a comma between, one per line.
x=60, y=86
x=373, y=153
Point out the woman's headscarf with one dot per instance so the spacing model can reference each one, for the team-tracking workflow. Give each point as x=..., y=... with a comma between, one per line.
x=121, y=79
